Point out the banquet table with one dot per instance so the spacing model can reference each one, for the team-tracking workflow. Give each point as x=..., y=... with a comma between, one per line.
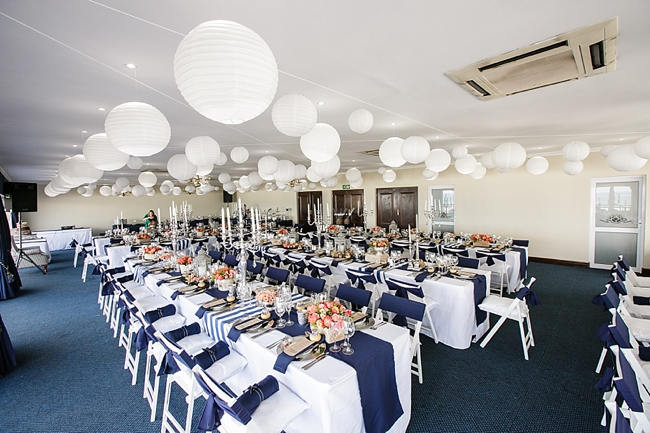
x=61, y=239
x=330, y=388
x=37, y=242
x=513, y=264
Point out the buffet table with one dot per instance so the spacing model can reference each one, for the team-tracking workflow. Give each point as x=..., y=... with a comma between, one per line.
x=61, y=239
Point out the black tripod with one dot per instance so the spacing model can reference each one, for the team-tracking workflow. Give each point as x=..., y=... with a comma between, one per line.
x=21, y=253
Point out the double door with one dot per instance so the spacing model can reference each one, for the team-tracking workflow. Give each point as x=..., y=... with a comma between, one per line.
x=307, y=200
x=397, y=204
x=347, y=206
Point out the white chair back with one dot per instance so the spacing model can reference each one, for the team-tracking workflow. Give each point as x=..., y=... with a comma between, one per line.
x=100, y=244
x=117, y=254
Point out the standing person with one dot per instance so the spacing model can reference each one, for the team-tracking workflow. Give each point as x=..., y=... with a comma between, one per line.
x=150, y=219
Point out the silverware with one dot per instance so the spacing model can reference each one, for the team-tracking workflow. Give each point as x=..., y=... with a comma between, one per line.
x=272, y=345
x=268, y=328
x=315, y=361
x=377, y=325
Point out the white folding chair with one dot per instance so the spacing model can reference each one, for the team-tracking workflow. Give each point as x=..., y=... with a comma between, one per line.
x=413, y=292
x=98, y=256
x=513, y=309
x=498, y=268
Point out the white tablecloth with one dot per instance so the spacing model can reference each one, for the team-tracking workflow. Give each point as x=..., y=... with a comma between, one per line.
x=60, y=239
x=38, y=242
x=512, y=264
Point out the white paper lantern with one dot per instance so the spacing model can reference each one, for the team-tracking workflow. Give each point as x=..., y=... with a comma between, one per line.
x=60, y=185
x=82, y=190
x=487, y=160
x=509, y=155
x=389, y=176
x=607, y=149
x=356, y=183
x=268, y=187
x=429, y=174
x=576, y=151
x=381, y=170
x=115, y=189
x=415, y=149
x=321, y=143
x=267, y=164
x=267, y=176
x=459, y=151
x=49, y=192
x=223, y=159
x=180, y=168
x=285, y=171
x=478, y=172
x=122, y=182
x=312, y=176
x=537, y=165
x=299, y=171
x=105, y=190
x=572, y=167
x=204, y=170
x=390, y=152
x=202, y=150
x=438, y=160
x=244, y=182
x=224, y=178
x=200, y=191
x=76, y=170
x=255, y=179
x=101, y=154
x=466, y=164
x=239, y=155
x=190, y=188
x=89, y=193
x=328, y=168
x=226, y=71
x=134, y=163
x=138, y=191
x=311, y=185
x=642, y=148
x=147, y=179
x=624, y=158
x=330, y=182
x=353, y=174
x=294, y=115
x=361, y=121
x=169, y=183
x=137, y=129
x=230, y=188
x=127, y=188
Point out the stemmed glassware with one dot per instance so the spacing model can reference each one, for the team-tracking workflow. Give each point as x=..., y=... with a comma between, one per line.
x=336, y=326
x=348, y=331
x=287, y=306
x=280, y=309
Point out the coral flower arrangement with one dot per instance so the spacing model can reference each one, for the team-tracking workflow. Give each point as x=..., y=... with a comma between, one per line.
x=184, y=260
x=326, y=315
x=224, y=273
x=153, y=249
x=282, y=231
x=481, y=237
x=378, y=243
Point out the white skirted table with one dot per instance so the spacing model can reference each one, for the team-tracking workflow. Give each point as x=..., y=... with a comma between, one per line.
x=60, y=239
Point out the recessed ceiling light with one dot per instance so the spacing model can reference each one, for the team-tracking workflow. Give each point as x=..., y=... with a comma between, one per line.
x=130, y=66
x=101, y=109
x=392, y=123
x=74, y=145
x=354, y=160
x=621, y=139
x=321, y=103
x=83, y=131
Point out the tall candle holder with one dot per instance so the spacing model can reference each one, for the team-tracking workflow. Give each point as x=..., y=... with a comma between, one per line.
x=243, y=290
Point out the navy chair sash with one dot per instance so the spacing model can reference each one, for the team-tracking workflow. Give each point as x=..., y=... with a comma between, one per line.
x=526, y=294
x=520, y=242
x=402, y=306
x=623, y=264
x=311, y=284
x=230, y=260
x=215, y=254
x=605, y=382
x=491, y=257
x=277, y=275
x=358, y=278
x=627, y=385
x=352, y=294
x=467, y=262
x=402, y=288
x=254, y=268
x=317, y=269
x=620, y=332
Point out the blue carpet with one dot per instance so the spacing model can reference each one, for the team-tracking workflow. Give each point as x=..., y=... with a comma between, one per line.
x=70, y=376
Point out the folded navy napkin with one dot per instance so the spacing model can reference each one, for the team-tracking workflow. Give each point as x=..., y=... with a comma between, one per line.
x=234, y=333
x=182, y=332
x=210, y=355
x=215, y=293
x=421, y=276
x=159, y=313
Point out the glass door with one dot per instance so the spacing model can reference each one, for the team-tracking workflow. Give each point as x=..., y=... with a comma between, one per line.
x=617, y=219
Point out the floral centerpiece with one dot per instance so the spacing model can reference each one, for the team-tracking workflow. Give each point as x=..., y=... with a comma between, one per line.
x=481, y=239
x=327, y=318
x=198, y=280
x=143, y=237
x=291, y=245
x=224, y=277
x=166, y=256
x=378, y=244
x=184, y=263
x=282, y=232
x=150, y=252
x=333, y=228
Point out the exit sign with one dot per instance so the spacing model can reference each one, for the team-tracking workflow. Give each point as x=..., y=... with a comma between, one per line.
x=346, y=186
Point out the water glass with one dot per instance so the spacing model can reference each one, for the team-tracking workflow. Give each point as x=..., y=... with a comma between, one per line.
x=280, y=309
x=348, y=331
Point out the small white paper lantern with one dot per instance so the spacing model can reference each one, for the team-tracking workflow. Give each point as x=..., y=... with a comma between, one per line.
x=389, y=176
x=204, y=170
x=202, y=150
x=223, y=159
x=576, y=151
x=190, y=188
x=82, y=190
x=642, y=148
x=105, y=190
x=478, y=172
x=226, y=71
x=321, y=143
x=415, y=149
x=381, y=170
x=356, y=183
x=459, y=151
x=537, y=165
x=429, y=174
x=438, y=160
x=353, y=174
x=299, y=171
x=294, y=115
x=285, y=171
x=361, y=121
x=509, y=155
x=59, y=184
x=137, y=129
x=122, y=182
x=267, y=164
x=487, y=160
x=466, y=164
x=572, y=167
x=168, y=183
x=239, y=155
x=138, y=191
x=76, y=170
x=134, y=163
x=255, y=179
x=224, y=178
x=147, y=179
x=312, y=175
x=101, y=154
x=624, y=158
x=180, y=168
x=177, y=190
x=244, y=182
x=390, y=152
x=328, y=168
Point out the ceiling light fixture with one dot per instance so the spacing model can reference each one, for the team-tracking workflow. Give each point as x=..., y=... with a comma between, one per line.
x=74, y=145
x=130, y=66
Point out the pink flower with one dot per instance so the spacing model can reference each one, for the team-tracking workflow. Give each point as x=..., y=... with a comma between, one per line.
x=319, y=323
x=335, y=309
x=312, y=318
x=328, y=304
x=327, y=321
x=311, y=309
x=321, y=306
x=336, y=317
x=348, y=312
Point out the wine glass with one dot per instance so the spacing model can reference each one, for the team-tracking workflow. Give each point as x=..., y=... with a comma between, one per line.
x=280, y=309
x=336, y=326
x=348, y=331
x=287, y=305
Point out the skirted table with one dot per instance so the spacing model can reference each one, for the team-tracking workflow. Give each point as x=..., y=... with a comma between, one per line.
x=61, y=239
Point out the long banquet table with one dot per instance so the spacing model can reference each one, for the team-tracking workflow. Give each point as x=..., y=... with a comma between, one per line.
x=330, y=388
x=60, y=239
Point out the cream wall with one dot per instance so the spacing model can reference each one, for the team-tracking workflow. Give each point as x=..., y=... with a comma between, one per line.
x=552, y=210
x=99, y=212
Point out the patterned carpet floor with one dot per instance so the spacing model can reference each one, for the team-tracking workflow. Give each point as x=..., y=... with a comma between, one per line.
x=70, y=376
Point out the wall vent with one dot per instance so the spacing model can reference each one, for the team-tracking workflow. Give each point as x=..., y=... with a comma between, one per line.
x=570, y=56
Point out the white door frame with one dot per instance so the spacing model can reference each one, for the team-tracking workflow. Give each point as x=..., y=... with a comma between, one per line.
x=592, y=220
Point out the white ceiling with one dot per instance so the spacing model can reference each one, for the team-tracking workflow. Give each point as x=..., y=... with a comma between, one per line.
x=62, y=60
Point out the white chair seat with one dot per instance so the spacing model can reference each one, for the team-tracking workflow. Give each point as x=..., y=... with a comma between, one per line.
x=272, y=416
x=637, y=280
x=139, y=292
x=193, y=344
x=640, y=311
x=227, y=367
x=169, y=323
x=640, y=328
x=150, y=302
x=499, y=305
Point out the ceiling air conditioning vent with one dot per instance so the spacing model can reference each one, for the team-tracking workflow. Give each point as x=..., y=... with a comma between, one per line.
x=570, y=56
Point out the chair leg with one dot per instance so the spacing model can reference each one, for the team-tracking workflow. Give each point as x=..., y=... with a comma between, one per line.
x=493, y=331
x=601, y=360
x=168, y=390
x=523, y=339
x=530, y=331
x=84, y=271
x=190, y=409
x=433, y=328
x=419, y=361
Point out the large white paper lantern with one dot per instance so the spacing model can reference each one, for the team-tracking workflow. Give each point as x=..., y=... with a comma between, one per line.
x=624, y=158
x=353, y=174
x=478, y=172
x=223, y=159
x=389, y=176
x=312, y=175
x=390, y=152
x=267, y=164
x=285, y=171
x=459, y=151
x=180, y=168
x=415, y=149
x=224, y=178
x=537, y=165
x=101, y=154
x=321, y=143
x=239, y=155
x=204, y=170
x=49, y=191
x=134, y=163
x=147, y=179
x=642, y=148
x=381, y=170
x=299, y=171
x=607, y=149
x=267, y=176
x=328, y=168
x=509, y=155
x=138, y=191
x=226, y=71
x=466, y=164
x=487, y=160
x=105, y=190
x=76, y=170
x=137, y=128
x=356, y=183
x=438, y=160
x=429, y=174
x=576, y=151
x=60, y=185
x=255, y=179
x=202, y=150
x=572, y=167
x=294, y=115
x=361, y=121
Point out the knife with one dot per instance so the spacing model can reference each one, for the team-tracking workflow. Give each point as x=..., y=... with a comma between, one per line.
x=315, y=361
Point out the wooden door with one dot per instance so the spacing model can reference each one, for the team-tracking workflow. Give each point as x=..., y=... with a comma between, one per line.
x=307, y=200
x=397, y=204
x=348, y=201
